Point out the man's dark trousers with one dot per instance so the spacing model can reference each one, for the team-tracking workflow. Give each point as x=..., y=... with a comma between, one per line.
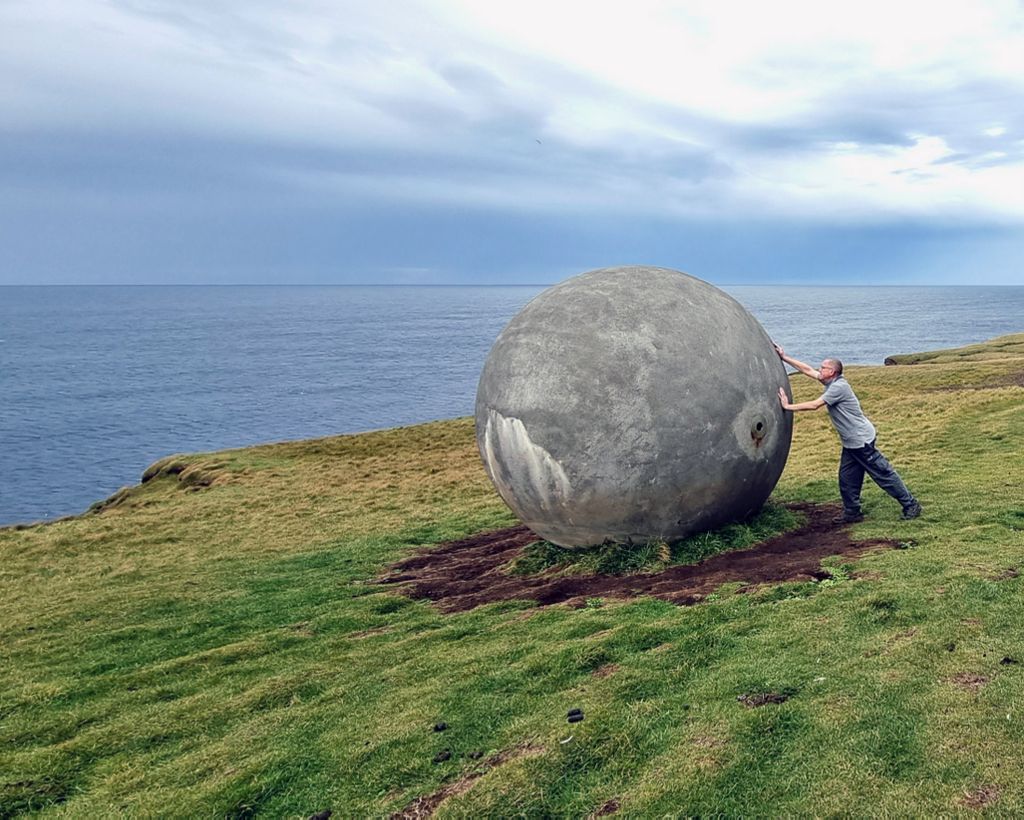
x=867, y=459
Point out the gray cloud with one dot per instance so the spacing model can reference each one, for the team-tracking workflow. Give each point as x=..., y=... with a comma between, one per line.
x=268, y=124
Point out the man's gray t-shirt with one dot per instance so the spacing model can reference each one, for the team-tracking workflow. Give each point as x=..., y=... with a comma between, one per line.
x=850, y=422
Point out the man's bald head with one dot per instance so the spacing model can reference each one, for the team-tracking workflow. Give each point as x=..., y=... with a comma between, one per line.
x=836, y=365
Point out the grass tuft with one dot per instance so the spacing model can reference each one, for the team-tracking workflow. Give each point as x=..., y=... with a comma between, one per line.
x=624, y=559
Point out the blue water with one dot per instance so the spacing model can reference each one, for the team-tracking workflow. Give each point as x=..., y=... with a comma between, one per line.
x=98, y=382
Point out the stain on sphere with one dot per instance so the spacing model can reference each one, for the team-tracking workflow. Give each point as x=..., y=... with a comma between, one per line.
x=633, y=403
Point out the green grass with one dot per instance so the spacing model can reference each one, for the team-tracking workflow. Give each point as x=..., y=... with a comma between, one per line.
x=212, y=644
x=622, y=559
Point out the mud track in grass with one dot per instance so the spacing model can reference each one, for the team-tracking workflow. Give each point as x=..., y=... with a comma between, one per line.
x=460, y=575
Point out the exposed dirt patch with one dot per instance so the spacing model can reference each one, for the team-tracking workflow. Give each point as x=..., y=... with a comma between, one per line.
x=460, y=575
x=894, y=642
x=1007, y=574
x=708, y=752
x=968, y=681
x=980, y=797
x=607, y=670
x=427, y=805
x=610, y=807
x=1009, y=380
x=753, y=700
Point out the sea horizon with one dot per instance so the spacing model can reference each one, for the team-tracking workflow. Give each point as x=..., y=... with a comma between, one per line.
x=473, y=285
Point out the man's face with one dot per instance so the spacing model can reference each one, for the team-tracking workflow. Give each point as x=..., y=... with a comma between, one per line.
x=826, y=370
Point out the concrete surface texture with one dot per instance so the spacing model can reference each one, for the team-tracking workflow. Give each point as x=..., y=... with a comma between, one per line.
x=629, y=404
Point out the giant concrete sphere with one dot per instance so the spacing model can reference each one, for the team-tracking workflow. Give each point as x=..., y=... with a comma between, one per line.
x=633, y=403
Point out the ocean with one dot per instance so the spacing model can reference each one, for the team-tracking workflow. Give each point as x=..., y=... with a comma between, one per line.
x=98, y=382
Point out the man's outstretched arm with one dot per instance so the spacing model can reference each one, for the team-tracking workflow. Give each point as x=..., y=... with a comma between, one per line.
x=804, y=405
x=806, y=369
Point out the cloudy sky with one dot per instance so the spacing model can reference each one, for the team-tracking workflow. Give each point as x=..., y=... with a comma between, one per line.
x=448, y=141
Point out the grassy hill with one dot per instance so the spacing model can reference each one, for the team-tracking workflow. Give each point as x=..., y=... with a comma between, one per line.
x=212, y=642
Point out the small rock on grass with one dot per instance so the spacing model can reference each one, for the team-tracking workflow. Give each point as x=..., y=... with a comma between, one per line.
x=321, y=815
x=442, y=756
x=440, y=727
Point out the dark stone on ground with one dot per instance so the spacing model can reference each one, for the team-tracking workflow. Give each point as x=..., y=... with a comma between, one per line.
x=440, y=727
x=442, y=756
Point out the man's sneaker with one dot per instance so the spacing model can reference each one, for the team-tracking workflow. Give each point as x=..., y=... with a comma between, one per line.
x=848, y=518
x=913, y=511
